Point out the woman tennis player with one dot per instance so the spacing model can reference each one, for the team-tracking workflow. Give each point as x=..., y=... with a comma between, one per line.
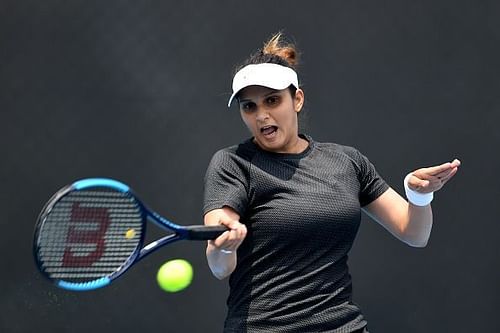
x=294, y=207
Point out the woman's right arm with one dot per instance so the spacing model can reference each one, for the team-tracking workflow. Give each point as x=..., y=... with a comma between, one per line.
x=221, y=252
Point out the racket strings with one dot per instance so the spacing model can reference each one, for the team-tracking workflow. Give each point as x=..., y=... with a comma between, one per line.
x=89, y=234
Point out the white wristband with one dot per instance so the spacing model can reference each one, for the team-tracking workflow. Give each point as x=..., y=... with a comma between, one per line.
x=416, y=198
x=225, y=251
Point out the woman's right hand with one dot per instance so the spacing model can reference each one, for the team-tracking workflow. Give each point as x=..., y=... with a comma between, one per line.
x=231, y=239
x=221, y=252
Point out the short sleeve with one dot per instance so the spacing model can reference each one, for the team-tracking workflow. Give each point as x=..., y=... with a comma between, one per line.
x=226, y=183
x=371, y=183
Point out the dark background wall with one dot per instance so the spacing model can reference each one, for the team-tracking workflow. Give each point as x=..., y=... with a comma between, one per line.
x=136, y=90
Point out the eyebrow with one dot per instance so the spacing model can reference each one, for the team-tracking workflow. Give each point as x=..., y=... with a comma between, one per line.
x=265, y=95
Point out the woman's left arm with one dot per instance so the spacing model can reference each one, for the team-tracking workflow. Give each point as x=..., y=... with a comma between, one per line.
x=410, y=223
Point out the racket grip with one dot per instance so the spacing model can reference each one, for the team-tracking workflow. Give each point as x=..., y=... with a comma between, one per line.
x=201, y=232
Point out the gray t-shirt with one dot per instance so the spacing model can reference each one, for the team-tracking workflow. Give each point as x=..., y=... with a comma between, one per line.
x=302, y=212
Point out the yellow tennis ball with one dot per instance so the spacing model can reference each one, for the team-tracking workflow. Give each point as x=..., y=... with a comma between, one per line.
x=130, y=233
x=175, y=275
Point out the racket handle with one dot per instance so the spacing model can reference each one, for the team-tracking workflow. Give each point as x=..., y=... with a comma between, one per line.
x=201, y=232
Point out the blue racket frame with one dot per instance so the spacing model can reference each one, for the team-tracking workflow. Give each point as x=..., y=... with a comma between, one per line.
x=180, y=232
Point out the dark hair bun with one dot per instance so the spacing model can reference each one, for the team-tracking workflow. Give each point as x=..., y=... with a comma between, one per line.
x=275, y=51
x=277, y=47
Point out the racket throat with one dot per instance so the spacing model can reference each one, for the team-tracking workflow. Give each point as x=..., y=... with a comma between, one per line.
x=153, y=246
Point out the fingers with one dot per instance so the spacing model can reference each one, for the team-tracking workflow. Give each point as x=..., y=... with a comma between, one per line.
x=231, y=239
x=450, y=175
x=423, y=183
x=440, y=169
x=431, y=179
x=452, y=167
x=456, y=163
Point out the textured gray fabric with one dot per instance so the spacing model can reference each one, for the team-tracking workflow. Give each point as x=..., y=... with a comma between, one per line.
x=302, y=212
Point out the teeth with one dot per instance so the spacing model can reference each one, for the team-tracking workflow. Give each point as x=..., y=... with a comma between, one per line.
x=268, y=129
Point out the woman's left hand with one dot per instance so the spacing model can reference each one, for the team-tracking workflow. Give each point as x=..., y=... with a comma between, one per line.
x=431, y=179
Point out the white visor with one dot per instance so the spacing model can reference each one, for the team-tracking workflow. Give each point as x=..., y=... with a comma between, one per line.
x=268, y=75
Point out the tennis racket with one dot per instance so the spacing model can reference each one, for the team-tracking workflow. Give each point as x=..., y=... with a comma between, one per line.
x=90, y=232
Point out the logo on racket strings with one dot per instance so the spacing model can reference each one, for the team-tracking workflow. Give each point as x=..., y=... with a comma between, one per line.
x=85, y=238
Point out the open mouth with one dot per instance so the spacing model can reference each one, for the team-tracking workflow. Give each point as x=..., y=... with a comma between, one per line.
x=268, y=130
